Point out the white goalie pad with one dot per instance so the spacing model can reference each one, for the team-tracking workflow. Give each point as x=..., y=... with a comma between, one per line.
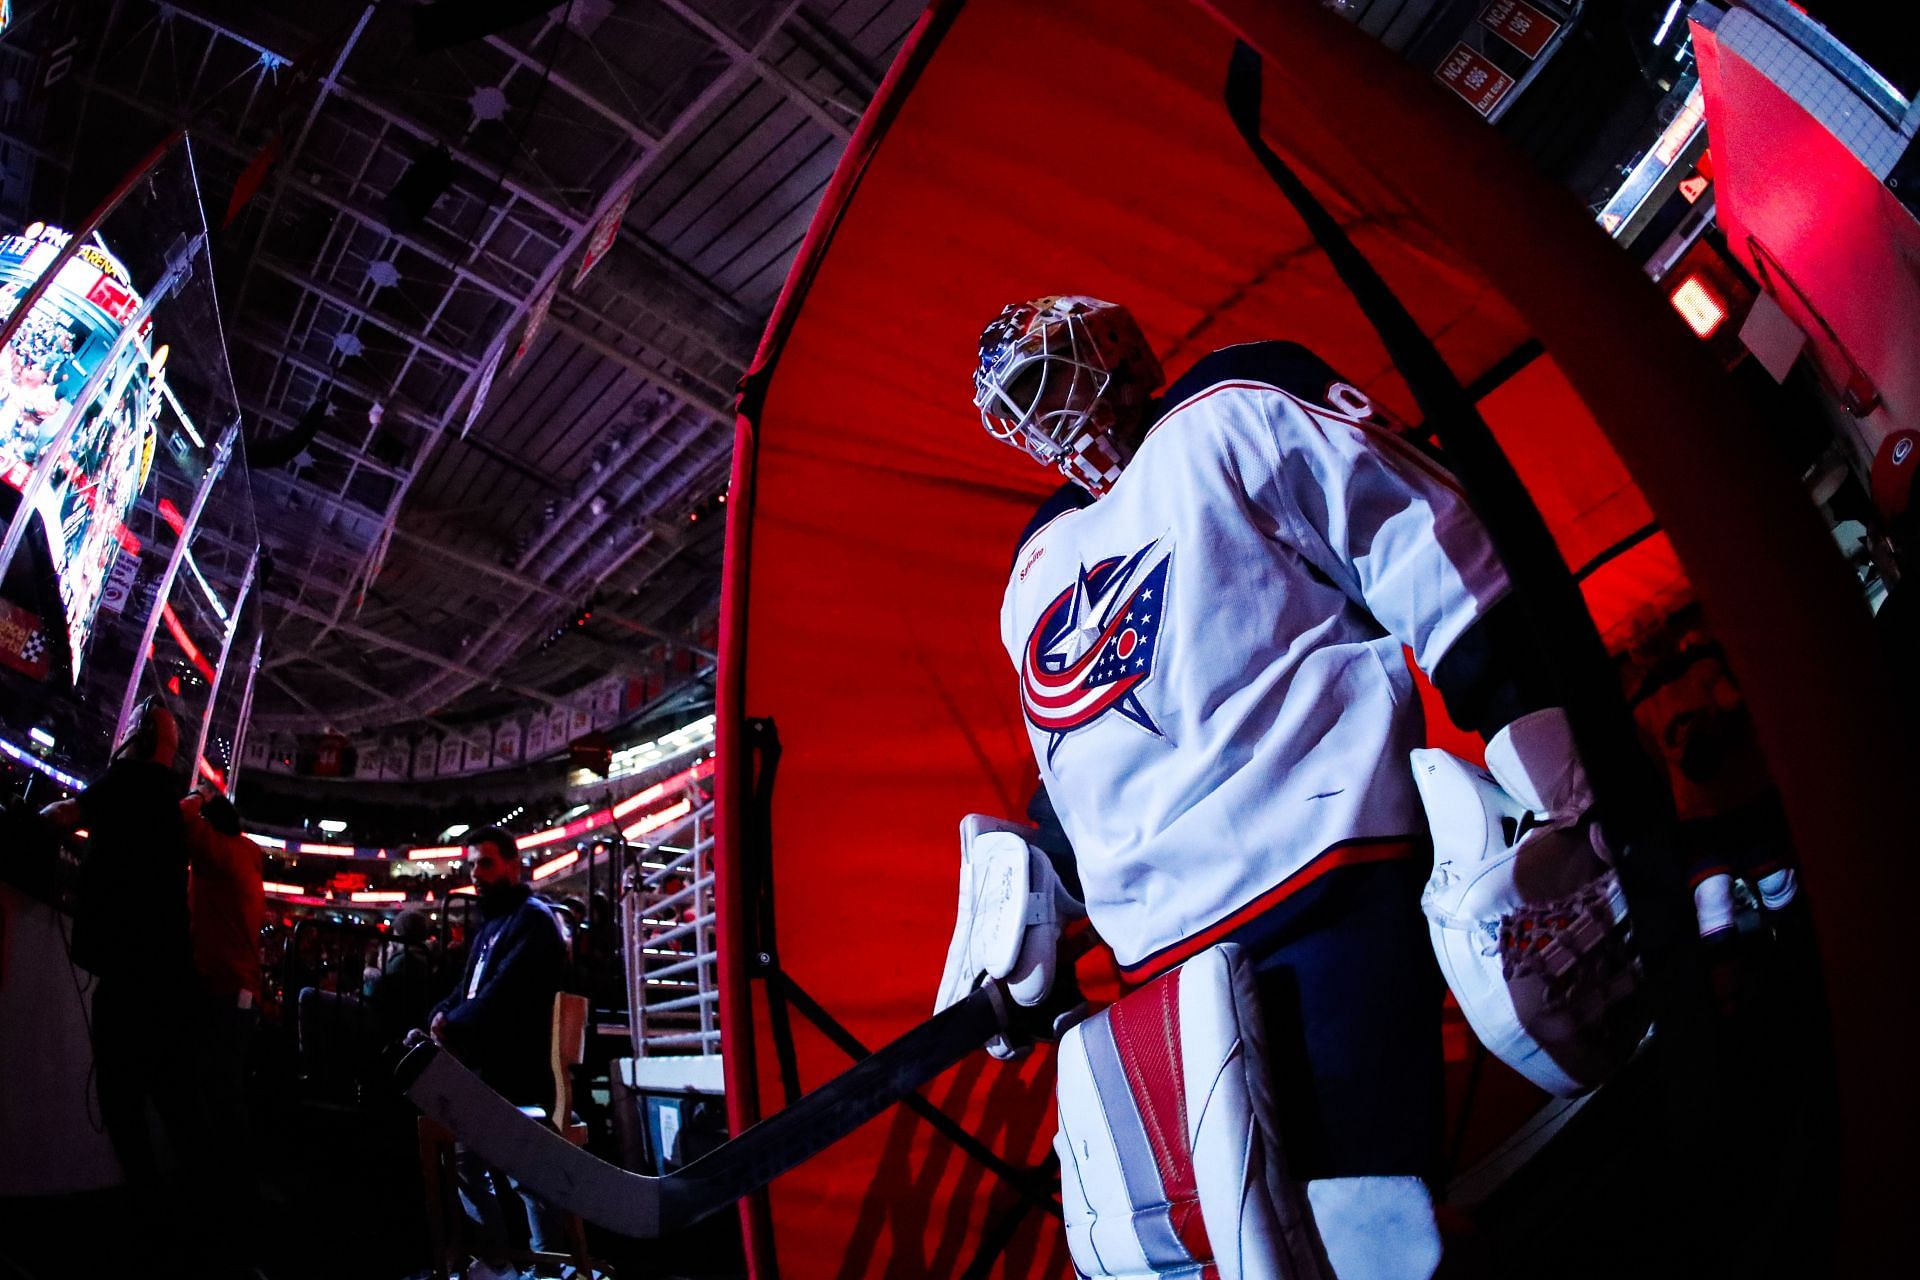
x=1170, y=1160
x=1530, y=927
x=1011, y=914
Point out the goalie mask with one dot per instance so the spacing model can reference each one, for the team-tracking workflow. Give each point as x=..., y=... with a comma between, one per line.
x=1061, y=377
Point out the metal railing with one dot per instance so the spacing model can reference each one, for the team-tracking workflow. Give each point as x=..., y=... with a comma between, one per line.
x=667, y=921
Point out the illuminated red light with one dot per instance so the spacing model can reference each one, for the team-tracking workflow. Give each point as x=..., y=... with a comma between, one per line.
x=1699, y=306
x=185, y=641
x=467, y=890
x=326, y=850
x=555, y=867
x=171, y=514
x=437, y=852
x=654, y=821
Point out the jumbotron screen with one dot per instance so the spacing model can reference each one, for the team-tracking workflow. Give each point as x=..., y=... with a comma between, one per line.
x=46, y=367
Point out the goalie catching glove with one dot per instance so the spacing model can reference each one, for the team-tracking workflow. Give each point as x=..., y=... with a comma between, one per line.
x=1013, y=910
x=1525, y=910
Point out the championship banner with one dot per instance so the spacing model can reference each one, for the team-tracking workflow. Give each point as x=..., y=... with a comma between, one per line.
x=581, y=720
x=479, y=750
x=605, y=232
x=536, y=745
x=426, y=758
x=367, y=759
x=557, y=725
x=452, y=752
x=280, y=754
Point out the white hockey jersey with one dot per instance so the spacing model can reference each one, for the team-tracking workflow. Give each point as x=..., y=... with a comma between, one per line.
x=1209, y=657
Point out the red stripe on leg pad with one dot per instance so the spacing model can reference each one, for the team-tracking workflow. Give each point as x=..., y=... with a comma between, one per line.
x=1146, y=1032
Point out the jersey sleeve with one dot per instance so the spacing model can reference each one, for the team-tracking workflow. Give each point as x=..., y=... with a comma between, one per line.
x=1381, y=519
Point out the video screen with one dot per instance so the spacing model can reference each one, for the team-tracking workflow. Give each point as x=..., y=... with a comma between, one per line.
x=47, y=366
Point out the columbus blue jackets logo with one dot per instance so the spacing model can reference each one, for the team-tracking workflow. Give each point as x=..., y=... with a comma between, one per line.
x=1095, y=645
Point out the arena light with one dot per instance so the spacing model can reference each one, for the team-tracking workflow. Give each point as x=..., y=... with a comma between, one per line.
x=34, y=762
x=455, y=831
x=371, y=896
x=41, y=736
x=434, y=853
x=654, y=821
x=556, y=866
x=1699, y=306
x=266, y=842
x=324, y=850
x=280, y=889
x=332, y=826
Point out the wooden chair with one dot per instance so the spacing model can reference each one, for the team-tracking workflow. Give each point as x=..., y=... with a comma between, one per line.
x=568, y=1044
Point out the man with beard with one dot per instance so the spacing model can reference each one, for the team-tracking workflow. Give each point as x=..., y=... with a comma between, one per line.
x=498, y=1021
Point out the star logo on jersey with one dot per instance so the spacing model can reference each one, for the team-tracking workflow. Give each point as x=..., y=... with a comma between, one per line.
x=1095, y=644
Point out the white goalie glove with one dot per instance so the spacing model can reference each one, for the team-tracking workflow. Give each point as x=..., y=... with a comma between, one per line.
x=1013, y=910
x=1525, y=911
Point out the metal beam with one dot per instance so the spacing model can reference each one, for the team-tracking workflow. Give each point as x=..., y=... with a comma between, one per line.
x=485, y=169
x=573, y=90
x=352, y=305
x=802, y=96
x=709, y=404
x=357, y=632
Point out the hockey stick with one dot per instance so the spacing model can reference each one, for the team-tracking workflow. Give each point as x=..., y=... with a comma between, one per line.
x=633, y=1204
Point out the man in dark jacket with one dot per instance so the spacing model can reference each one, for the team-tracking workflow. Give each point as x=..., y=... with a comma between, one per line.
x=130, y=929
x=498, y=1021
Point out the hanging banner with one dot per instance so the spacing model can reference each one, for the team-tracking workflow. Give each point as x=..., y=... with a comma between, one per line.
x=506, y=744
x=23, y=641
x=581, y=720
x=605, y=232
x=536, y=744
x=367, y=759
x=1520, y=25
x=606, y=701
x=280, y=755
x=120, y=580
x=1468, y=73
x=394, y=759
x=557, y=726
x=254, y=754
x=452, y=752
x=481, y=391
x=479, y=750
x=536, y=316
x=426, y=757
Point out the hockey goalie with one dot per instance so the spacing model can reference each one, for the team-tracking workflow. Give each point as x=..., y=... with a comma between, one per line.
x=1206, y=622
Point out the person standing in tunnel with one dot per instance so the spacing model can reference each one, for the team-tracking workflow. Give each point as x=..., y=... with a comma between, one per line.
x=1207, y=624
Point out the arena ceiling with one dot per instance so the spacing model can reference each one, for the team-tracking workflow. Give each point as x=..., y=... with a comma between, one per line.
x=416, y=208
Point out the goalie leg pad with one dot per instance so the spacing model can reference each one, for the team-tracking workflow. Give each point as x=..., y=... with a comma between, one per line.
x=1170, y=1160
